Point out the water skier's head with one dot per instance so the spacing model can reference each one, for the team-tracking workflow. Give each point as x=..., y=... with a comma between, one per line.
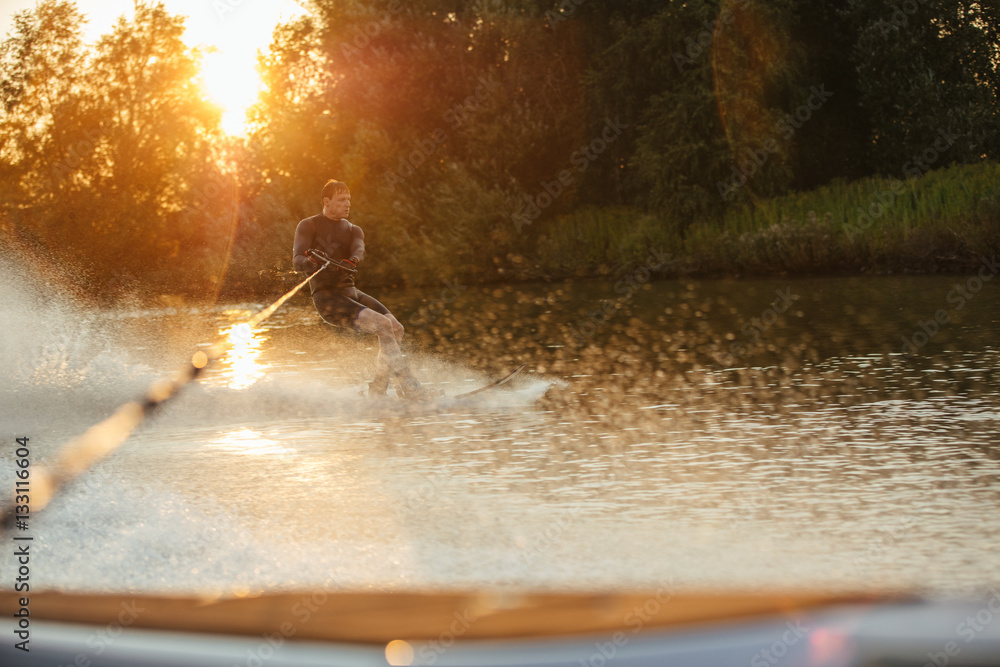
x=336, y=200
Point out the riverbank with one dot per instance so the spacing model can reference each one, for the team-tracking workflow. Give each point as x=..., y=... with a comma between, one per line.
x=943, y=221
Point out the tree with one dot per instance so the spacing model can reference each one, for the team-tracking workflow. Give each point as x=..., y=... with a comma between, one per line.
x=41, y=66
x=700, y=84
x=925, y=68
x=442, y=116
x=115, y=149
x=159, y=141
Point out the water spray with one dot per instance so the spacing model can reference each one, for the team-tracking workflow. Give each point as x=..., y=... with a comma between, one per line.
x=97, y=442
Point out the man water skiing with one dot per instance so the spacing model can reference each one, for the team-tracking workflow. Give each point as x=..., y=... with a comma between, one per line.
x=336, y=298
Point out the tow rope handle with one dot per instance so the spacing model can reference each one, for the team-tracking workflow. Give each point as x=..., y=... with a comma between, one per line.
x=322, y=257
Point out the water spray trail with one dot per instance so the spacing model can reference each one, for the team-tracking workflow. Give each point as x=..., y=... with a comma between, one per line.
x=80, y=453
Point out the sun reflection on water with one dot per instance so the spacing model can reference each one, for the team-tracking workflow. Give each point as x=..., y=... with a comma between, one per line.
x=251, y=443
x=240, y=366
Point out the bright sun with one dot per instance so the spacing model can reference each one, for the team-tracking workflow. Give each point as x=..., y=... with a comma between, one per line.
x=232, y=33
x=229, y=32
x=232, y=86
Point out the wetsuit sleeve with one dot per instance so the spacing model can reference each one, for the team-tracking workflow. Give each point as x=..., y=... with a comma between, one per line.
x=303, y=242
x=357, y=243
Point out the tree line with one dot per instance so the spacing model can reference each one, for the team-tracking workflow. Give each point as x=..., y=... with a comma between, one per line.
x=469, y=130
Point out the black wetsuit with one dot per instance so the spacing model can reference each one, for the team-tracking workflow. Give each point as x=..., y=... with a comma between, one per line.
x=334, y=294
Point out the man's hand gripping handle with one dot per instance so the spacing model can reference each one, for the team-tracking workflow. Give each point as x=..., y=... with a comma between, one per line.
x=321, y=258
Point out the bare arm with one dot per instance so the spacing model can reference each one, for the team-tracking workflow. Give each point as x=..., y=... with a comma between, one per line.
x=303, y=241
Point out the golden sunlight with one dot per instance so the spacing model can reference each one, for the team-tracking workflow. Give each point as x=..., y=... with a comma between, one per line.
x=251, y=443
x=230, y=33
x=241, y=366
x=232, y=87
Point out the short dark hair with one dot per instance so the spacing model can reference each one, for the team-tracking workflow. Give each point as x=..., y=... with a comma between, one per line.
x=333, y=187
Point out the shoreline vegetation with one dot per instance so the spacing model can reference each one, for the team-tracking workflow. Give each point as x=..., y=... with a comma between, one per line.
x=506, y=142
x=943, y=221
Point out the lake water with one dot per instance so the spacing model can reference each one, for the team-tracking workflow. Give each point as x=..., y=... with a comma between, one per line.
x=750, y=435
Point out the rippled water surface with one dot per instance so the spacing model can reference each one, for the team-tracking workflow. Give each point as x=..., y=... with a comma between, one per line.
x=711, y=434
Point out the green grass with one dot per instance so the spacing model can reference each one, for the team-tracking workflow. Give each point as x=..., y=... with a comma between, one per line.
x=593, y=241
x=943, y=221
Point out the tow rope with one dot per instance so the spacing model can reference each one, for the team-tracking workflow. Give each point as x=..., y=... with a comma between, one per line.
x=97, y=442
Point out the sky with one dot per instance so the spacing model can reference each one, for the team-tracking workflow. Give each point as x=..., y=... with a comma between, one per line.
x=237, y=28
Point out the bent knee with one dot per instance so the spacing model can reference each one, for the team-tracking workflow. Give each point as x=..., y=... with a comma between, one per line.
x=384, y=327
x=372, y=322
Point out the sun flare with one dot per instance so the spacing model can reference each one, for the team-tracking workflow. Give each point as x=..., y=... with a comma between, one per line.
x=233, y=38
x=230, y=34
x=232, y=86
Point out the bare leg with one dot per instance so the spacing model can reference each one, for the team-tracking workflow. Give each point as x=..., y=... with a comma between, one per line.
x=382, y=362
x=390, y=356
x=397, y=328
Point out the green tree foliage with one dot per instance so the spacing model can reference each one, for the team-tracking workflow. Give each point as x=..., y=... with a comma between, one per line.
x=112, y=149
x=445, y=118
x=158, y=134
x=925, y=66
x=40, y=76
x=835, y=142
x=702, y=85
x=473, y=131
x=719, y=103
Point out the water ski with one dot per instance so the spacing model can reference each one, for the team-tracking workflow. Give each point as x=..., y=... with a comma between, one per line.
x=495, y=383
